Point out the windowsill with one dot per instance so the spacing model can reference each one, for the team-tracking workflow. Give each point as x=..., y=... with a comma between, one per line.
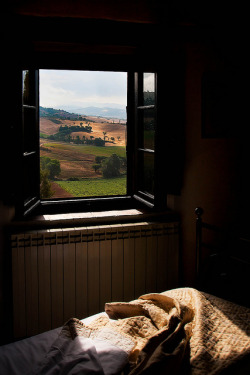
x=91, y=218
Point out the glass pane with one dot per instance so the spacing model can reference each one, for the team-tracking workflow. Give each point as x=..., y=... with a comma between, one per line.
x=29, y=128
x=147, y=173
x=147, y=119
x=148, y=88
x=28, y=87
x=30, y=177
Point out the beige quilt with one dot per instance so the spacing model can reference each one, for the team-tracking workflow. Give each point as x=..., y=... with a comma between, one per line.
x=181, y=331
x=220, y=337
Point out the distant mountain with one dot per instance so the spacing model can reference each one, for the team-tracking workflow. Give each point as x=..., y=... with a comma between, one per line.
x=108, y=112
x=104, y=112
x=59, y=113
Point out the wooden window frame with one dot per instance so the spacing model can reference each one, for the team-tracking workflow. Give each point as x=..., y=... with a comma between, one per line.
x=135, y=198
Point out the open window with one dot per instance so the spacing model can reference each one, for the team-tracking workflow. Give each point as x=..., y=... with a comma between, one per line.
x=137, y=156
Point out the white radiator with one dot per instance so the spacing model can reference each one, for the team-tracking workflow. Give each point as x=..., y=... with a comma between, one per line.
x=64, y=273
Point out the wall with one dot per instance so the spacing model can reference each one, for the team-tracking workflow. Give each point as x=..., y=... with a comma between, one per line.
x=210, y=164
x=6, y=215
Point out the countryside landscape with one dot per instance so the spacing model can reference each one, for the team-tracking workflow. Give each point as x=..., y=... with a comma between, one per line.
x=81, y=155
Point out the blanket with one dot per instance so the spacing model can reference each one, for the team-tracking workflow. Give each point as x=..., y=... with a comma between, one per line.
x=220, y=337
x=197, y=333
x=181, y=331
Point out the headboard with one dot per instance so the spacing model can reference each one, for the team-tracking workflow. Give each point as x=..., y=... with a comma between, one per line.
x=222, y=261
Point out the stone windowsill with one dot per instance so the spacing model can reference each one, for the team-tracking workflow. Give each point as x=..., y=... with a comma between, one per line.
x=92, y=218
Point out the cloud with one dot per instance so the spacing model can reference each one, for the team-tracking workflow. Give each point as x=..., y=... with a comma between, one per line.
x=148, y=82
x=76, y=88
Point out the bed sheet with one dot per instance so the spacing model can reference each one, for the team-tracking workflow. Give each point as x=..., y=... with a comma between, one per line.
x=30, y=356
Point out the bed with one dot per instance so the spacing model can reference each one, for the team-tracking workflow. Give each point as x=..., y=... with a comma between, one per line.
x=180, y=331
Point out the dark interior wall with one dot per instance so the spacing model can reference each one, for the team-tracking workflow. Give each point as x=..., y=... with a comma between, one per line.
x=6, y=215
x=211, y=177
x=137, y=10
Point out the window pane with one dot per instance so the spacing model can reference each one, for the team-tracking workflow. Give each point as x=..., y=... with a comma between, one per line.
x=83, y=133
x=28, y=87
x=147, y=134
x=148, y=88
x=29, y=128
x=147, y=172
x=30, y=177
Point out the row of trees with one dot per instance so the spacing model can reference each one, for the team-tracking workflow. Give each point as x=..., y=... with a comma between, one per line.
x=75, y=128
x=65, y=131
x=68, y=138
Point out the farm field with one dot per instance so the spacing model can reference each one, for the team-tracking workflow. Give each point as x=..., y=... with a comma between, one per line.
x=50, y=127
x=78, y=161
x=94, y=187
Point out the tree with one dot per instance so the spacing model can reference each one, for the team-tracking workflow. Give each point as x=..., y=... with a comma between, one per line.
x=54, y=169
x=99, y=142
x=99, y=159
x=51, y=165
x=45, y=185
x=111, y=166
x=96, y=167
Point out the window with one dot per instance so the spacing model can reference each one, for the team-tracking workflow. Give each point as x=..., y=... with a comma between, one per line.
x=139, y=165
x=82, y=134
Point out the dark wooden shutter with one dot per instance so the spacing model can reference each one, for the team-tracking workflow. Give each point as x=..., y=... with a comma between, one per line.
x=29, y=172
x=158, y=133
x=147, y=188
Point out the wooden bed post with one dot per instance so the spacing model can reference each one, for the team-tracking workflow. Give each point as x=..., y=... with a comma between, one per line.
x=198, y=211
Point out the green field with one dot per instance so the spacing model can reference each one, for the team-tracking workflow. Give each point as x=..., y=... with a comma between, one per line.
x=87, y=149
x=95, y=187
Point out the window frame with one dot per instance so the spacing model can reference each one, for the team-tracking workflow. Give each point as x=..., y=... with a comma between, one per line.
x=135, y=198
x=61, y=43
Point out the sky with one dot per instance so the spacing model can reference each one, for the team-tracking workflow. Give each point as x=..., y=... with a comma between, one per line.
x=64, y=89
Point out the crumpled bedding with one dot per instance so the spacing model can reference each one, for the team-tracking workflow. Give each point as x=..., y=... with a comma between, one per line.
x=86, y=349
x=181, y=331
x=220, y=333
